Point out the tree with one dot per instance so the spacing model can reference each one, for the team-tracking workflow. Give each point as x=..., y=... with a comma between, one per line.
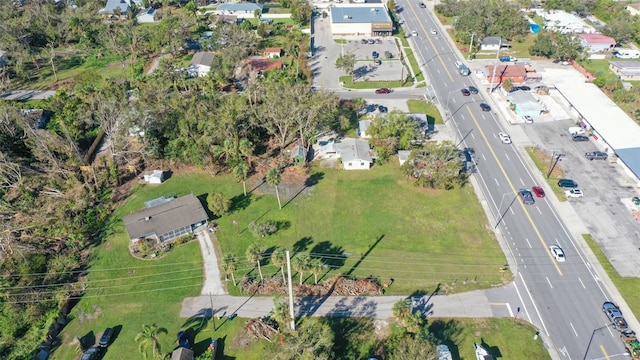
x=316, y=267
x=241, y=173
x=229, y=266
x=347, y=63
x=257, y=14
x=254, y=256
x=507, y=84
x=313, y=340
x=148, y=340
x=218, y=203
x=358, y=103
x=273, y=179
x=437, y=166
x=301, y=263
x=410, y=321
x=410, y=347
x=263, y=229
x=279, y=259
x=280, y=312
x=543, y=45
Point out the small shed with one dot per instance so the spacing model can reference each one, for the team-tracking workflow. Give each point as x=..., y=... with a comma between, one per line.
x=272, y=52
x=146, y=16
x=299, y=155
x=154, y=177
x=363, y=126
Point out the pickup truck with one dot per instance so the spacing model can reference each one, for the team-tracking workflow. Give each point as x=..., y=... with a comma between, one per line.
x=596, y=155
x=615, y=316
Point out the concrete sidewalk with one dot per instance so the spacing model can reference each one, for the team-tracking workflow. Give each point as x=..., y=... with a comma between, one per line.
x=474, y=304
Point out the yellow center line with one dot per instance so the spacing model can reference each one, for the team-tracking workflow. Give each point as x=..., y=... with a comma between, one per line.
x=604, y=352
x=493, y=153
x=433, y=46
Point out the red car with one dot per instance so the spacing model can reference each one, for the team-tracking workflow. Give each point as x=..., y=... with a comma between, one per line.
x=383, y=91
x=538, y=191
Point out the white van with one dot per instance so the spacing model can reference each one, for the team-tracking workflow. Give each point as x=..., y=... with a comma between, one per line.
x=576, y=130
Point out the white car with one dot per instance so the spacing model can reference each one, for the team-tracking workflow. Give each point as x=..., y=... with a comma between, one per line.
x=505, y=138
x=527, y=119
x=557, y=253
x=414, y=33
x=433, y=31
x=574, y=193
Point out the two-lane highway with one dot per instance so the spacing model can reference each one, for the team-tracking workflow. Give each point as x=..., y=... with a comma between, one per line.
x=563, y=299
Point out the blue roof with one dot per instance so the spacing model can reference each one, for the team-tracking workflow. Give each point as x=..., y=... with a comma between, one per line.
x=631, y=158
x=240, y=7
x=359, y=14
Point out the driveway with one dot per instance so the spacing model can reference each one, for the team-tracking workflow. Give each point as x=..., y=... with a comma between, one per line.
x=212, y=283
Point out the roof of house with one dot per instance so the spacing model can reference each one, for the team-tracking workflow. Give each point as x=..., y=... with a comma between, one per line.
x=202, y=58
x=240, y=7
x=111, y=5
x=182, y=353
x=494, y=40
x=597, y=39
x=261, y=64
x=508, y=71
x=161, y=219
x=273, y=50
x=354, y=149
x=359, y=13
x=628, y=68
x=560, y=19
x=149, y=11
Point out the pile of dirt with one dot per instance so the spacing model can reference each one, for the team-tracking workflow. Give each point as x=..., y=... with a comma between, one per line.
x=337, y=286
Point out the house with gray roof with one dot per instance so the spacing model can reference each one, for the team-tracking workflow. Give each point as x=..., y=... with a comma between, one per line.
x=111, y=6
x=626, y=70
x=200, y=64
x=239, y=8
x=167, y=221
x=493, y=43
x=369, y=19
x=355, y=154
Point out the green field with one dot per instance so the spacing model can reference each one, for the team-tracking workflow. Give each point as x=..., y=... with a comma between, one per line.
x=542, y=160
x=347, y=81
x=421, y=106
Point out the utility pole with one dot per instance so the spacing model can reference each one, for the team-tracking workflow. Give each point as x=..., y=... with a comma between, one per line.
x=471, y=44
x=495, y=67
x=291, y=313
x=554, y=161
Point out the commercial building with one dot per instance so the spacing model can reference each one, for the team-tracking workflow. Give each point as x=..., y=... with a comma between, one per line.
x=565, y=23
x=626, y=70
x=595, y=43
x=517, y=73
x=361, y=20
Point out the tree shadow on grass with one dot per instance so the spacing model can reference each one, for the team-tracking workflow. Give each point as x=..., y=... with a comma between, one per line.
x=347, y=333
x=446, y=331
x=302, y=244
x=240, y=202
x=331, y=256
x=311, y=181
x=197, y=322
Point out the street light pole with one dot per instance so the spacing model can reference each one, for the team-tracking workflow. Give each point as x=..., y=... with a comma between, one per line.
x=471, y=44
x=495, y=67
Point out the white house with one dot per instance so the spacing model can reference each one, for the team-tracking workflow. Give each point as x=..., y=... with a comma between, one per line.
x=355, y=154
x=200, y=65
x=272, y=52
x=363, y=126
x=493, y=43
x=146, y=16
x=154, y=177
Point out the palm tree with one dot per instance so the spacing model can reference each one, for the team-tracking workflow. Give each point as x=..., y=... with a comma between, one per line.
x=301, y=263
x=273, y=178
x=279, y=259
x=316, y=267
x=254, y=255
x=148, y=339
x=241, y=173
x=229, y=266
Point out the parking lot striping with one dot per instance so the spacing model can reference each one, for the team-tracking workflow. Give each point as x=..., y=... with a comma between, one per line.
x=508, y=308
x=484, y=118
x=574, y=329
x=581, y=283
x=549, y=281
x=528, y=243
x=504, y=172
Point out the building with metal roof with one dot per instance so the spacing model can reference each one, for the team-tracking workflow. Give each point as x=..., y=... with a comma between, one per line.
x=626, y=70
x=371, y=19
x=240, y=8
x=355, y=154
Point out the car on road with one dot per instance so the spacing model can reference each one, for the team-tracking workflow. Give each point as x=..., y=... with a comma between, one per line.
x=579, y=138
x=557, y=253
x=527, y=197
x=422, y=6
x=433, y=31
x=596, y=155
x=374, y=54
x=614, y=315
x=382, y=108
x=465, y=92
x=505, y=138
x=414, y=33
x=92, y=353
x=539, y=191
x=377, y=62
x=106, y=338
x=574, y=193
x=567, y=183
x=363, y=41
x=473, y=89
x=383, y=91
x=527, y=119
x=485, y=107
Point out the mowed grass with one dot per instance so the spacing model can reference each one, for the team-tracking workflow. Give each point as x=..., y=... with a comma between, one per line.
x=628, y=287
x=543, y=163
x=421, y=106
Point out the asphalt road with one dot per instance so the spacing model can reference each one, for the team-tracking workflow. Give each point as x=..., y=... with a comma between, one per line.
x=563, y=299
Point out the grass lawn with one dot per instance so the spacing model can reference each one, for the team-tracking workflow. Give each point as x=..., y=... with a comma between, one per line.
x=414, y=64
x=44, y=78
x=421, y=106
x=597, y=68
x=347, y=81
x=340, y=41
x=543, y=161
x=629, y=288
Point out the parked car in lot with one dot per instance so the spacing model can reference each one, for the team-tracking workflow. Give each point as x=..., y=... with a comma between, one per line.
x=527, y=119
x=378, y=41
x=374, y=54
x=465, y=92
x=567, y=183
x=371, y=41
x=363, y=41
x=539, y=191
x=382, y=108
x=574, y=193
x=106, y=338
x=614, y=315
x=557, y=253
x=485, y=107
x=579, y=138
x=383, y=91
x=527, y=197
x=473, y=89
x=388, y=55
x=377, y=62
x=596, y=155
x=505, y=138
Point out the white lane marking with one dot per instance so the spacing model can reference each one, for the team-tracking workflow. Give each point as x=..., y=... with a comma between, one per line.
x=496, y=180
x=472, y=136
x=530, y=247
x=453, y=100
x=581, y=283
x=537, y=208
x=526, y=312
x=521, y=182
x=511, y=209
x=574, y=329
x=462, y=116
x=484, y=117
x=507, y=156
x=549, y=281
x=483, y=157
